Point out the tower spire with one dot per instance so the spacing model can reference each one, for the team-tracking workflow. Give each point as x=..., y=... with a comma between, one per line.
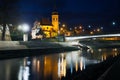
x=55, y=6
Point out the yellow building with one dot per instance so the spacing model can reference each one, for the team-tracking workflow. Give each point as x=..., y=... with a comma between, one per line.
x=49, y=28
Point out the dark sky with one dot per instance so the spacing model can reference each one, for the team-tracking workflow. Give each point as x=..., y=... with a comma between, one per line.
x=72, y=12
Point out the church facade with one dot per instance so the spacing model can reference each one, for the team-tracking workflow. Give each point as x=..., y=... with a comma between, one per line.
x=45, y=27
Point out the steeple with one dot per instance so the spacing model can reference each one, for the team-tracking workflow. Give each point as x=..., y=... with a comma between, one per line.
x=55, y=6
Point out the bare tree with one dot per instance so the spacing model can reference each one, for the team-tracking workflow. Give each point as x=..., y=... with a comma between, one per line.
x=6, y=8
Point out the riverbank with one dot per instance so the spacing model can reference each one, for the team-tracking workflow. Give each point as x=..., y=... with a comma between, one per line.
x=98, y=71
x=102, y=43
x=12, y=49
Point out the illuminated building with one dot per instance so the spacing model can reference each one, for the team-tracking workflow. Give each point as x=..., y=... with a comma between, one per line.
x=49, y=28
x=7, y=32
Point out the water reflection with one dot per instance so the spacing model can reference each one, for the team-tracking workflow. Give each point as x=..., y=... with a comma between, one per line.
x=53, y=66
x=24, y=70
x=61, y=66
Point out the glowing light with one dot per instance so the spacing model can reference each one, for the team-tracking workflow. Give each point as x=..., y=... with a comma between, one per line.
x=94, y=36
x=91, y=32
x=61, y=28
x=26, y=73
x=98, y=30
x=38, y=65
x=70, y=28
x=75, y=27
x=76, y=65
x=80, y=27
x=61, y=66
x=24, y=27
x=115, y=49
x=89, y=26
x=81, y=64
x=113, y=23
x=63, y=25
x=20, y=27
x=99, y=50
x=101, y=27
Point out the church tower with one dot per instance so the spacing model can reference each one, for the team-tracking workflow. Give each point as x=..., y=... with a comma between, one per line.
x=55, y=21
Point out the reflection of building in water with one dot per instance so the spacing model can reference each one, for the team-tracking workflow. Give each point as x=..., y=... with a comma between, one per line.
x=109, y=52
x=56, y=66
x=24, y=70
x=61, y=66
x=74, y=60
x=44, y=67
x=82, y=63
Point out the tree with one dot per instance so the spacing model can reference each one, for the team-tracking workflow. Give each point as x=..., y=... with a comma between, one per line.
x=7, y=9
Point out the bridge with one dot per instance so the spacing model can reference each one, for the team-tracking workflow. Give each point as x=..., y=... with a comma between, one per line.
x=76, y=38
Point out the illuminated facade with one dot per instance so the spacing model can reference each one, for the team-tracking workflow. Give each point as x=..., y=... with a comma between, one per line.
x=7, y=33
x=49, y=28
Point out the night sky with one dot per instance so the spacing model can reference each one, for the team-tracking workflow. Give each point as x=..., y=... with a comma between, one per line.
x=72, y=12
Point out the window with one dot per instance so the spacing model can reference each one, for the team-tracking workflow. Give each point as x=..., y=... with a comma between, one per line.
x=53, y=19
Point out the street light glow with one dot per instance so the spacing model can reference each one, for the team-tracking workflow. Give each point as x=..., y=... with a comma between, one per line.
x=63, y=25
x=25, y=27
x=20, y=27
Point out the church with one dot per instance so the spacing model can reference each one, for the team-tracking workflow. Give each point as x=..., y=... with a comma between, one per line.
x=45, y=27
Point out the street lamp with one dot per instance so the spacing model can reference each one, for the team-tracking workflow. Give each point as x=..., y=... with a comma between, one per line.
x=63, y=25
x=24, y=28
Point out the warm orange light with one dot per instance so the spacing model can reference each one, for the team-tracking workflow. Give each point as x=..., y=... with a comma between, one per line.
x=61, y=29
x=98, y=30
x=63, y=25
x=91, y=32
x=80, y=27
x=81, y=65
x=76, y=65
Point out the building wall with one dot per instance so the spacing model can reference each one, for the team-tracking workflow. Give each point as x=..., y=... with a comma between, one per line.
x=50, y=30
x=46, y=27
x=47, y=30
x=55, y=22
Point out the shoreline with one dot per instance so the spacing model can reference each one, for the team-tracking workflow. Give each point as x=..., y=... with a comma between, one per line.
x=7, y=54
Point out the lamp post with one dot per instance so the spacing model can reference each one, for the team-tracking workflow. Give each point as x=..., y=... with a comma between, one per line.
x=24, y=28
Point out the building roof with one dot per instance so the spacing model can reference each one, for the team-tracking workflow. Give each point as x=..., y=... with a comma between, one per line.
x=55, y=13
x=45, y=21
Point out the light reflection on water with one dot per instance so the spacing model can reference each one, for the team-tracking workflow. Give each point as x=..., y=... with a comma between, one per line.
x=53, y=66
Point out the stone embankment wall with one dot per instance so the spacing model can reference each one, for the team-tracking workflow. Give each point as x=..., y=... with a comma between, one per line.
x=14, y=45
x=11, y=45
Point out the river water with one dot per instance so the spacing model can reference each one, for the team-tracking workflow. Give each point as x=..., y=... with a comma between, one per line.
x=53, y=66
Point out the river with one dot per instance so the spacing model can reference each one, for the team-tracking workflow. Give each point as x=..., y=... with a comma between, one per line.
x=57, y=66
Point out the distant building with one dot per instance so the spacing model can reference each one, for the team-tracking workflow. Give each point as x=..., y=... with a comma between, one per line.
x=49, y=28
